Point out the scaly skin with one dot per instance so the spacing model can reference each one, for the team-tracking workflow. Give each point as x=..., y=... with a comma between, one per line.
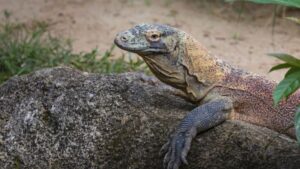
x=221, y=91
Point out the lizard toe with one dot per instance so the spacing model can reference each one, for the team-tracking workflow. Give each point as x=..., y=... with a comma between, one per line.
x=177, y=149
x=164, y=149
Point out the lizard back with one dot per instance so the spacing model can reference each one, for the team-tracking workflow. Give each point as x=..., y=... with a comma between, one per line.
x=251, y=93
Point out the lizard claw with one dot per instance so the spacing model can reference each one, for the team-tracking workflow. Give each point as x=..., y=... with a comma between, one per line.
x=164, y=149
x=177, y=148
x=184, y=160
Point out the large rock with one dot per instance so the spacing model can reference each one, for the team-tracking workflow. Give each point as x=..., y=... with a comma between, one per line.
x=63, y=118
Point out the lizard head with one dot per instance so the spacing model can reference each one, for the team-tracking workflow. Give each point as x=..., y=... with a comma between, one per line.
x=159, y=46
x=148, y=39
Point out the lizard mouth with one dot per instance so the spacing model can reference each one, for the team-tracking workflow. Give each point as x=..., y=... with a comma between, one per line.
x=136, y=48
x=128, y=47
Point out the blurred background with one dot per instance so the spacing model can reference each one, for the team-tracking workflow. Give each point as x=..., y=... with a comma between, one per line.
x=79, y=33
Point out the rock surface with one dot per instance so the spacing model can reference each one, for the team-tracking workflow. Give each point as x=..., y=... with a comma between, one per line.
x=63, y=118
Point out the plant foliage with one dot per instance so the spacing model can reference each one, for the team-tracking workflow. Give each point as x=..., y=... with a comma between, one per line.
x=289, y=84
x=297, y=123
x=290, y=3
x=25, y=48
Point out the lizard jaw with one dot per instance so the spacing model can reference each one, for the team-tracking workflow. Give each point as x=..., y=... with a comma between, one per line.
x=142, y=51
x=127, y=41
x=122, y=43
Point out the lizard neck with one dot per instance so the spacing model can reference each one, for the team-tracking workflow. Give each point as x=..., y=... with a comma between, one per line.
x=167, y=69
x=203, y=70
x=208, y=69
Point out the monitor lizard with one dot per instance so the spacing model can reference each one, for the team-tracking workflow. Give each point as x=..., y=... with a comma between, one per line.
x=222, y=91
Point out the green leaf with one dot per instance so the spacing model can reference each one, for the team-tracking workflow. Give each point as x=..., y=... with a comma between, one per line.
x=286, y=58
x=291, y=3
x=287, y=86
x=291, y=70
x=297, y=123
x=280, y=66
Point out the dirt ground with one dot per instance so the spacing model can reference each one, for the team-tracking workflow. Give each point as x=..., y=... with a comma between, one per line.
x=241, y=38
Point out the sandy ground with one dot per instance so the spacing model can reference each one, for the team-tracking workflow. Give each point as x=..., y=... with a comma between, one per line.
x=242, y=40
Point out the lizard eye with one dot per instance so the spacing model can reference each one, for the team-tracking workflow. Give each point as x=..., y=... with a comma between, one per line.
x=153, y=36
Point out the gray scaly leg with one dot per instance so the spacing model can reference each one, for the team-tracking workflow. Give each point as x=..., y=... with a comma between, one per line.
x=198, y=120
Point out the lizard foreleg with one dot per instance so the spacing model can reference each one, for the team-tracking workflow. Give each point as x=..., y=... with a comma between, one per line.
x=198, y=120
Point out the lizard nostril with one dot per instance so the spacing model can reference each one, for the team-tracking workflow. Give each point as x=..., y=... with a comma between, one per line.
x=124, y=39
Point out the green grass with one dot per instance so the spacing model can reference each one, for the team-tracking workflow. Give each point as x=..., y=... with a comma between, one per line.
x=26, y=48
